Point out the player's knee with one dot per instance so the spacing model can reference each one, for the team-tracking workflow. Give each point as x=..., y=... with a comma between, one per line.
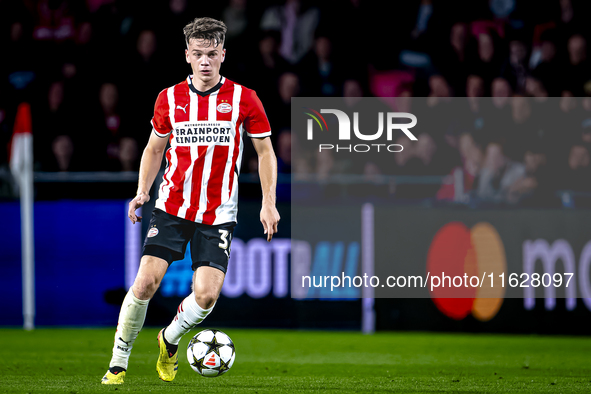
x=144, y=288
x=206, y=299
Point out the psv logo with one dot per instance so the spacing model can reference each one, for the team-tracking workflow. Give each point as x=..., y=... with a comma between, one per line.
x=224, y=108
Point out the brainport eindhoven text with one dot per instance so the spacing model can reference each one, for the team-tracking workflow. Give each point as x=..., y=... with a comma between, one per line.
x=202, y=135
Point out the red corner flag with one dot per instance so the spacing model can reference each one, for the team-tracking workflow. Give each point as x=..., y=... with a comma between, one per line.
x=21, y=165
x=21, y=154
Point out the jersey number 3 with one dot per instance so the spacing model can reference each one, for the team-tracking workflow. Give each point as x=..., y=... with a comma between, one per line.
x=224, y=238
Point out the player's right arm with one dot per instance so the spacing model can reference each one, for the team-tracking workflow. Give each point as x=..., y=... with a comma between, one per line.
x=152, y=156
x=149, y=167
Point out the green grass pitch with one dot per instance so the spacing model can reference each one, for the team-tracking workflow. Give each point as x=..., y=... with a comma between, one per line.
x=275, y=361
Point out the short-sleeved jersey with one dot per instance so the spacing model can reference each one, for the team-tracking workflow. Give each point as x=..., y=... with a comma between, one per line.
x=205, y=131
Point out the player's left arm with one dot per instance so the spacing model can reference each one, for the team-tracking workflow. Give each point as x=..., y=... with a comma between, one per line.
x=268, y=174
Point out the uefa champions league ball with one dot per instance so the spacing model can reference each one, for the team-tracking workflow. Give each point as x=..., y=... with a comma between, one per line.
x=211, y=353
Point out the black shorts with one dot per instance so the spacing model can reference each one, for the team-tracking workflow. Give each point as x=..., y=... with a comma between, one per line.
x=169, y=235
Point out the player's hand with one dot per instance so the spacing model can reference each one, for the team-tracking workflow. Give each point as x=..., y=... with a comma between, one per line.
x=134, y=204
x=269, y=218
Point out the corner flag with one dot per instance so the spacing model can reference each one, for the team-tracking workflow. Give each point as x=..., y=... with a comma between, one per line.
x=21, y=166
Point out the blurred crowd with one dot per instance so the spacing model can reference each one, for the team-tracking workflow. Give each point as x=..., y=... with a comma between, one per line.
x=92, y=70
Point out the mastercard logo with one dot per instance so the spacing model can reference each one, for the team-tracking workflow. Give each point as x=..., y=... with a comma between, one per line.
x=457, y=250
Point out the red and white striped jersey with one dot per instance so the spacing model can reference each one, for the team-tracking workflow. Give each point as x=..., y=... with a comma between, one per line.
x=205, y=132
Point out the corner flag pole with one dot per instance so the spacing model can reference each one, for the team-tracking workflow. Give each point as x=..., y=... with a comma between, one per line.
x=368, y=315
x=21, y=165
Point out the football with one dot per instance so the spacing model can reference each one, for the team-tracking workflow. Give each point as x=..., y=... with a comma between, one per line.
x=211, y=353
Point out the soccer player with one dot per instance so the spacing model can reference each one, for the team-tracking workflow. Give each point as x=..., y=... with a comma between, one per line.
x=204, y=119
